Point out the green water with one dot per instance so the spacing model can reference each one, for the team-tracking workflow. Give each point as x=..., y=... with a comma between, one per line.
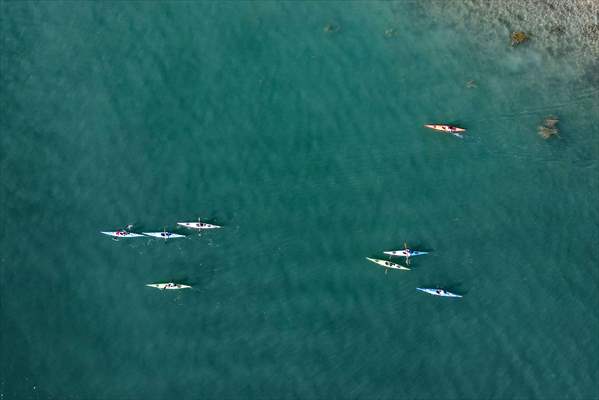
x=308, y=147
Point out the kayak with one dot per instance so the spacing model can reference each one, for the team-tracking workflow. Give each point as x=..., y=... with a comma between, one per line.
x=163, y=235
x=387, y=264
x=438, y=292
x=122, y=234
x=404, y=253
x=445, y=128
x=168, y=286
x=198, y=225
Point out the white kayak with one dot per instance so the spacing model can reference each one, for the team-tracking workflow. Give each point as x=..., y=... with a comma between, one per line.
x=198, y=225
x=122, y=234
x=387, y=264
x=405, y=253
x=168, y=286
x=438, y=292
x=163, y=235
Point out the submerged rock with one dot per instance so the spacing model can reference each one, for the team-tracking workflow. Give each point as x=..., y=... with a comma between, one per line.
x=331, y=28
x=518, y=38
x=546, y=132
x=591, y=31
x=551, y=121
x=391, y=32
x=549, y=127
x=558, y=30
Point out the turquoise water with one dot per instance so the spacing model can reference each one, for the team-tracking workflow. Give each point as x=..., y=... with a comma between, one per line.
x=307, y=146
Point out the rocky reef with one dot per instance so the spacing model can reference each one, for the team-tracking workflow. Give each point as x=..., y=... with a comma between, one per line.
x=331, y=27
x=563, y=27
x=549, y=127
x=518, y=38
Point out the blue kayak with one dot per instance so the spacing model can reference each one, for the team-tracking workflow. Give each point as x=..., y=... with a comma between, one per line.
x=404, y=253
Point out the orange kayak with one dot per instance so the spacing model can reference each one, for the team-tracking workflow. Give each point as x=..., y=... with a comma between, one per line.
x=445, y=128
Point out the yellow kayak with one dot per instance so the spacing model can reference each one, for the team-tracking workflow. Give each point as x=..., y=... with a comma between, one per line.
x=445, y=128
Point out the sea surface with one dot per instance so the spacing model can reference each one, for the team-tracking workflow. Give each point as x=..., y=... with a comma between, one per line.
x=307, y=145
